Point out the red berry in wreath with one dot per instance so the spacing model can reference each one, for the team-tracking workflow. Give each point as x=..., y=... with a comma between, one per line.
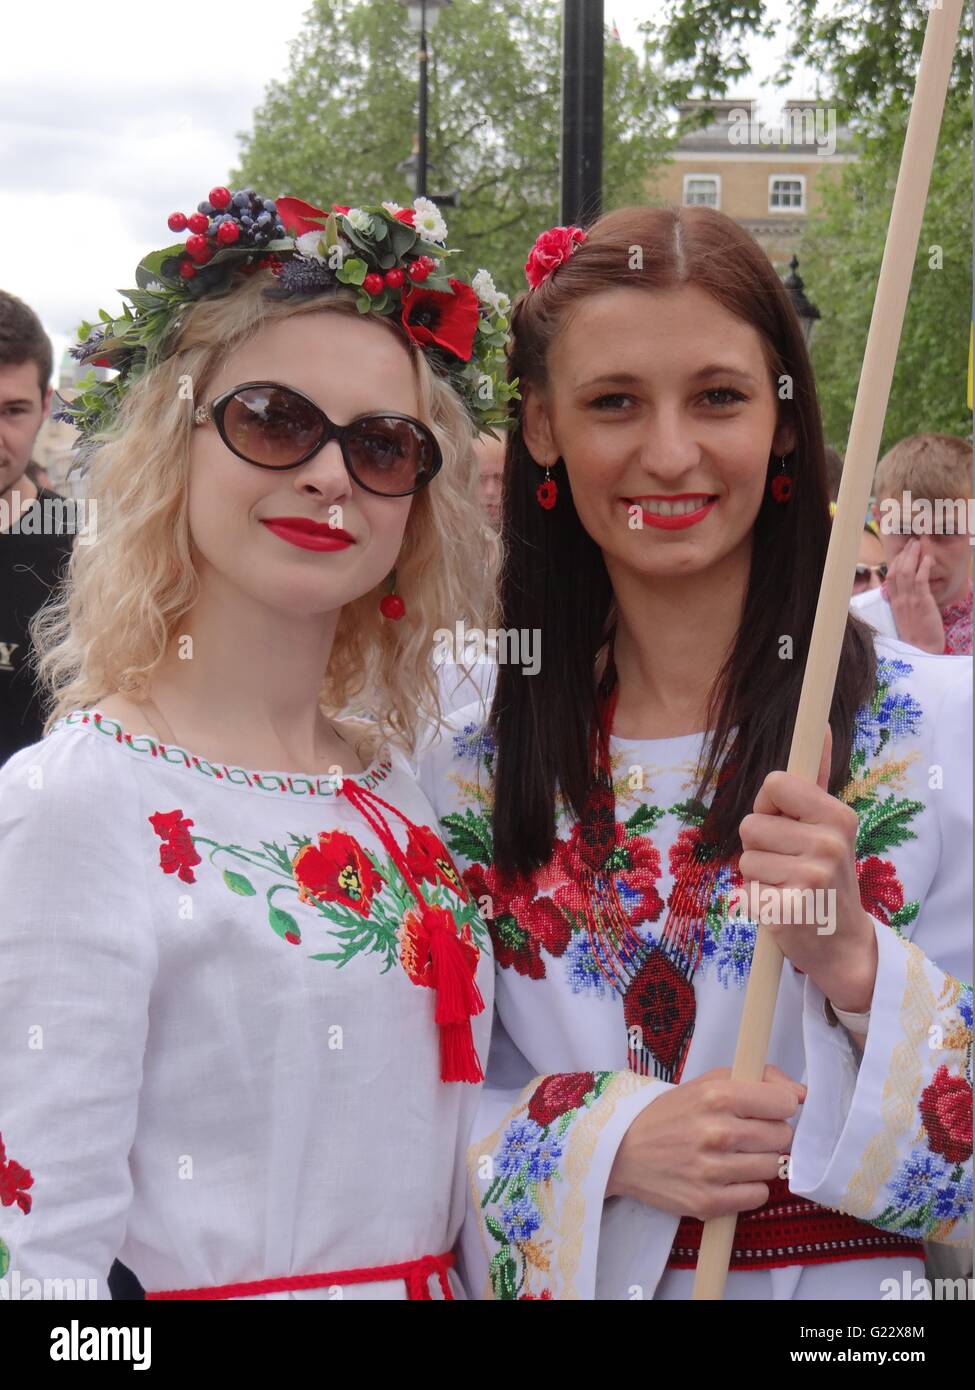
x=219, y=198
x=198, y=222
x=782, y=487
x=393, y=279
x=547, y=493
x=392, y=606
x=176, y=222
x=373, y=283
x=227, y=233
x=187, y=270
x=420, y=268
x=196, y=246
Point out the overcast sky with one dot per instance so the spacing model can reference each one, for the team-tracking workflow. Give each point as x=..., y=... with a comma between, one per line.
x=109, y=121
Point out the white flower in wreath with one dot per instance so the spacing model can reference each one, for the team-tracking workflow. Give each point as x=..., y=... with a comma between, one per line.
x=154, y=285
x=428, y=221
x=360, y=220
x=484, y=287
x=392, y=208
x=309, y=244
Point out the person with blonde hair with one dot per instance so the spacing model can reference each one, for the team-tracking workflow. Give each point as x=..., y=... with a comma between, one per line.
x=243, y=993
x=923, y=509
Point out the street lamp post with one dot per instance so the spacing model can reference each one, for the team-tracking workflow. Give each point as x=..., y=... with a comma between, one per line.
x=423, y=15
x=808, y=313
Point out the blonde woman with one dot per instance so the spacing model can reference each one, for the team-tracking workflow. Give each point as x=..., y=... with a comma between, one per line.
x=244, y=997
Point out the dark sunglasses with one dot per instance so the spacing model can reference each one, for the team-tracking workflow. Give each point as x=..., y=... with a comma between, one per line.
x=275, y=426
x=863, y=572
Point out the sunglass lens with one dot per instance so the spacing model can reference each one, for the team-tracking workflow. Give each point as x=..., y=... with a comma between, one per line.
x=271, y=425
x=391, y=455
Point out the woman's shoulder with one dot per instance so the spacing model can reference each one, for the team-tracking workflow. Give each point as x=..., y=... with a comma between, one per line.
x=922, y=685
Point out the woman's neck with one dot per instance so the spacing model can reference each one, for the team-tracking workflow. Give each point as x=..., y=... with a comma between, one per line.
x=672, y=638
x=241, y=680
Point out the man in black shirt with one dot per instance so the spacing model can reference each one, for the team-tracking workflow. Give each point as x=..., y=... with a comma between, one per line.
x=35, y=523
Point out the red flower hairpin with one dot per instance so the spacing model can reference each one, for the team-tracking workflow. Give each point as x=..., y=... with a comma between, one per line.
x=550, y=250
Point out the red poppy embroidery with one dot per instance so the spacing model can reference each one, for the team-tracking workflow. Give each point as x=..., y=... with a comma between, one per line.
x=881, y=893
x=946, y=1109
x=176, y=853
x=14, y=1182
x=558, y=1094
x=633, y=862
x=429, y=860
x=338, y=871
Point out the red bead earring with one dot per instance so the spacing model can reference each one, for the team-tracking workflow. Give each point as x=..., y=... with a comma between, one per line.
x=391, y=605
x=547, y=491
x=781, y=485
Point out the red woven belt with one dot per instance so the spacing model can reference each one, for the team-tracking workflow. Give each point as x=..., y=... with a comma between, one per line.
x=415, y=1273
x=790, y=1230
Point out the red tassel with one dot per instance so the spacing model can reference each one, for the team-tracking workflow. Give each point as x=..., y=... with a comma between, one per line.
x=458, y=997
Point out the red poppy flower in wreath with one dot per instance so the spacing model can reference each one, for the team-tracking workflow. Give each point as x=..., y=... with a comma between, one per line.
x=946, y=1109
x=300, y=217
x=558, y=1094
x=14, y=1181
x=449, y=320
x=550, y=250
x=429, y=861
x=176, y=854
x=633, y=863
x=337, y=870
x=881, y=893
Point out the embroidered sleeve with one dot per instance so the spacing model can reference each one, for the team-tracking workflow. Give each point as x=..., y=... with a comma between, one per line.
x=76, y=962
x=538, y=1169
x=888, y=1138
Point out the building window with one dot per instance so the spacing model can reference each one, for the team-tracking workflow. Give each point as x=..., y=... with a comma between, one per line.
x=787, y=194
x=702, y=190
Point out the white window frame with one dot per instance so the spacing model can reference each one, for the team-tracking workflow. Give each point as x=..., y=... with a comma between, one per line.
x=716, y=179
x=800, y=179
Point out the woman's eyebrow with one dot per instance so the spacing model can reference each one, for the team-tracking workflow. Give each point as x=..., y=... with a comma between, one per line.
x=629, y=379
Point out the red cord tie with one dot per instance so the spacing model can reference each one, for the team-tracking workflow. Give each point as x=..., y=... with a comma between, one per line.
x=452, y=962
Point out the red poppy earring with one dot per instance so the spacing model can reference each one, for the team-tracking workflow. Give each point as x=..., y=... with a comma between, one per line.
x=547, y=491
x=781, y=486
x=391, y=605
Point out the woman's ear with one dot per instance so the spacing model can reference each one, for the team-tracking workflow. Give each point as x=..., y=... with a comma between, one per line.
x=535, y=428
x=784, y=439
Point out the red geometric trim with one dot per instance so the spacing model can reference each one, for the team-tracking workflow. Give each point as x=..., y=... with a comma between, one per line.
x=790, y=1230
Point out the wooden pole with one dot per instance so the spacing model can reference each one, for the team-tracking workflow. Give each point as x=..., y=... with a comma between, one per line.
x=866, y=428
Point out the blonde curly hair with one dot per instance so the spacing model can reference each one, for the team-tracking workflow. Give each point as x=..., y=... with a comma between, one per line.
x=112, y=618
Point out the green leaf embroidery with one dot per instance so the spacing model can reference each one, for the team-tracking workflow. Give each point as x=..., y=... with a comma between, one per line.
x=237, y=883
x=884, y=824
x=469, y=835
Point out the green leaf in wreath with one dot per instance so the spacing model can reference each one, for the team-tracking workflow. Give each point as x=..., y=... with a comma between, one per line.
x=352, y=271
x=237, y=883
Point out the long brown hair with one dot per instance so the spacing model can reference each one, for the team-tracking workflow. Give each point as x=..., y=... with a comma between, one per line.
x=554, y=578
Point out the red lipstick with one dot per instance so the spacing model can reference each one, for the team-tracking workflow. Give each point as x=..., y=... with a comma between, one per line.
x=675, y=523
x=308, y=534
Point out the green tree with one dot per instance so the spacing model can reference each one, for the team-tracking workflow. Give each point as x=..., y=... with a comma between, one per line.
x=865, y=53
x=336, y=127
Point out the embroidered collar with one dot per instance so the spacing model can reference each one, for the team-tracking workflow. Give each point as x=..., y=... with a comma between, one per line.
x=291, y=783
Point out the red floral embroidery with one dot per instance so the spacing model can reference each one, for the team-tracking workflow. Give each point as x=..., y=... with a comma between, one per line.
x=14, y=1181
x=416, y=944
x=557, y=1094
x=881, y=893
x=636, y=879
x=686, y=856
x=337, y=870
x=429, y=860
x=522, y=921
x=946, y=1109
x=176, y=853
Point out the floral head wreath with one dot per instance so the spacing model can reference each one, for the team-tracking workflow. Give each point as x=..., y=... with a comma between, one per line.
x=550, y=250
x=393, y=258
